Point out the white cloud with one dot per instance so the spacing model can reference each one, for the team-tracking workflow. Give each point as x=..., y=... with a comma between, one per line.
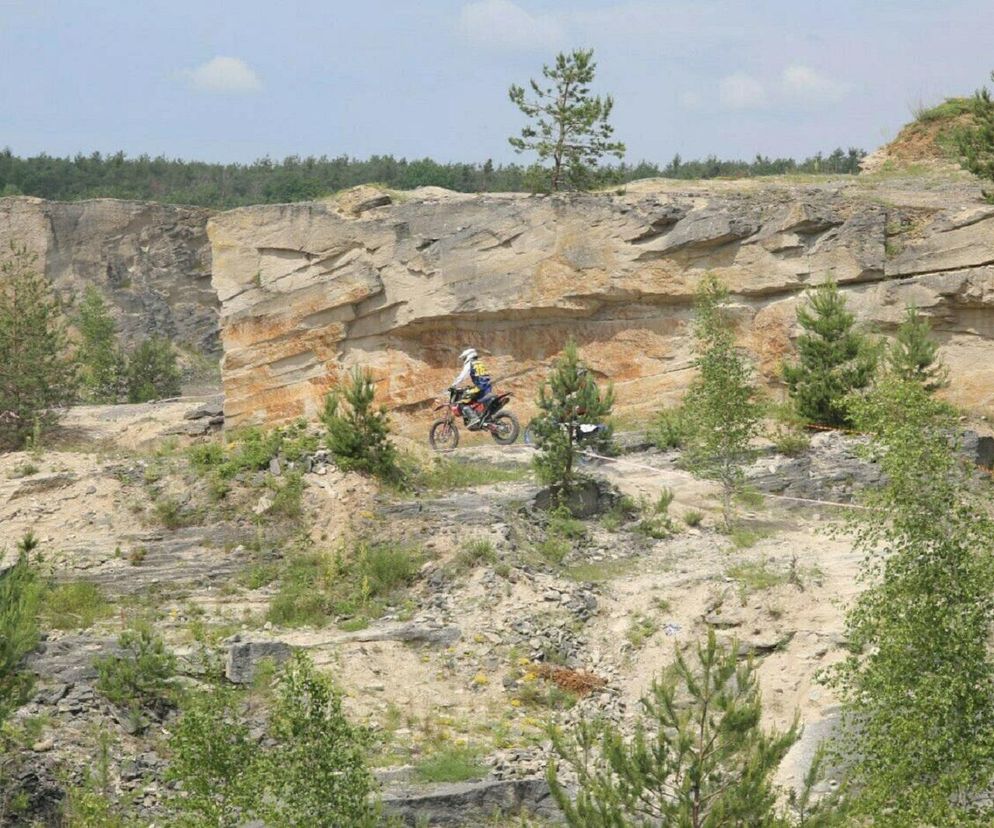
x=805, y=83
x=690, y=100
x=502, y=24
x=741, y=91
x=222, y=75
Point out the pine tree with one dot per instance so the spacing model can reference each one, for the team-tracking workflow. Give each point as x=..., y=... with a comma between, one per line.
x=833, y=359
x=570, y=395
x=37, y=373
x=913, y=355
x=20, y=600
x=102, y=362
x=918, y=688
x=359, y=436
x=152, y=371
x=569, y=125
x=698, y=757
x=720, y=412
x=976, y=142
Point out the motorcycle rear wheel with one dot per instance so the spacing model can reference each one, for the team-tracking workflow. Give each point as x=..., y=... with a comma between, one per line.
x=505, y=428
x=443, y=435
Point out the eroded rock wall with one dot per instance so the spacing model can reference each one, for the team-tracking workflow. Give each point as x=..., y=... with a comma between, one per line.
x=307, y=291
x=150, y=261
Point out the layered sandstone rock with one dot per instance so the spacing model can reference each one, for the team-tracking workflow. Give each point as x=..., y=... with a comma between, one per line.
x=150, y=261
x=308, y=291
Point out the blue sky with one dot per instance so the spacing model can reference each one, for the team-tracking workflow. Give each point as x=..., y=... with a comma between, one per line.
x=233, y=81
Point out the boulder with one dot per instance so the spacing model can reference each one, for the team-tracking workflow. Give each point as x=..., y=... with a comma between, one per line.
x=244, y=657
x=470, y=803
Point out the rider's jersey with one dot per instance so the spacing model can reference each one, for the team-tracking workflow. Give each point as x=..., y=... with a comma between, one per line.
x=476, y=372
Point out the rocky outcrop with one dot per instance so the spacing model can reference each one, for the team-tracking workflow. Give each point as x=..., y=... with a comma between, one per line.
x=150, y=261
x=308, y=291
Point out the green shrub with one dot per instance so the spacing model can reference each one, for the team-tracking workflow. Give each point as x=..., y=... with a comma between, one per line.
x=444, y=474
x=288, y=498
x=693, y=517
x=640, y=629
x=358, y=435
x=476, y=553
x=74, y=605
x=669, y=428
x=309, y=768
x=152, y=371
x=138, y=678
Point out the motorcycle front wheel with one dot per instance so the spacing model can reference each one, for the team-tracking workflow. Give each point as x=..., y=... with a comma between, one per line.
x=443, y=435
x=505, y=428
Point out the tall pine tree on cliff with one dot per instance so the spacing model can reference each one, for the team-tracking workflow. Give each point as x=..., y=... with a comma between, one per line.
x=834, y=359
x=569, y=126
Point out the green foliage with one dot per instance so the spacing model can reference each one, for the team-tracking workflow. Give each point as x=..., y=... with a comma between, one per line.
x=833, y=359
x=103, y=365
x=568, y=124
x=74, y=605
x=152, y=371
x=309, y=770
x=913, y=355
x=640, y=629
x=476, y=553
x=316, y=775
x=359, y=437
x=698, y=757
x=39, y=375
x=918, y=688
x=214, y=759
x=92, y=803
x=669, y=428
x=976, y=142
x=138, y=678
x=569, y=389
x=21, y=594
x=316, y=586
x=452, y=763
x=720, y=407
x=288, y=497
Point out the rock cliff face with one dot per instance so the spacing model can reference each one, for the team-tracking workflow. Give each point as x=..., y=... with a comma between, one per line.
x=307, y=291
x=150, y=261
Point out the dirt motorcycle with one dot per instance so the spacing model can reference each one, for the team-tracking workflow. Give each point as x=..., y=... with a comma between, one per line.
x=476, y=416
x=583, y=432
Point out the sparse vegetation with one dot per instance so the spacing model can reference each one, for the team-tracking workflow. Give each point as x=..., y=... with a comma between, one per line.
x=74, y=605
x=692, y=517
x=451, y=763
x=640, y=629
x=316, y=586
x=443, y=474
x=755, y=576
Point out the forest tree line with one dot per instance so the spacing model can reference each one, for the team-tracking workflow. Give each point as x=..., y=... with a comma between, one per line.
x=224, y=186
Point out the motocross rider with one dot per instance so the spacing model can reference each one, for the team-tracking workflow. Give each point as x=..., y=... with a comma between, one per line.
x=475, y=371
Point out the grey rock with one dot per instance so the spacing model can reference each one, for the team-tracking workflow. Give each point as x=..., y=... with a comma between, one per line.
x=244, y=656
x=588, y=498
x=470, y=803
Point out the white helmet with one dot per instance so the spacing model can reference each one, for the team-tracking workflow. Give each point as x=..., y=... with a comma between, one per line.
x=468, y=355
